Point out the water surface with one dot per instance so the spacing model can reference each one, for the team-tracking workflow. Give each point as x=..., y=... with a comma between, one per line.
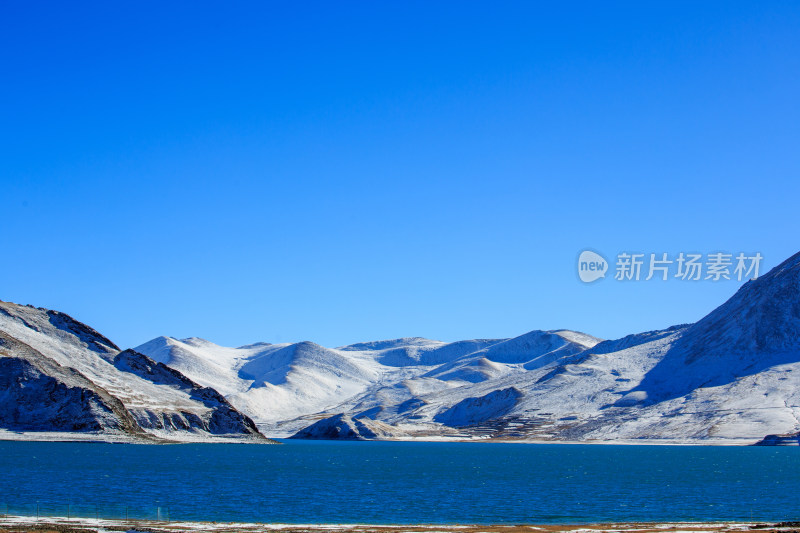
x=401, y=482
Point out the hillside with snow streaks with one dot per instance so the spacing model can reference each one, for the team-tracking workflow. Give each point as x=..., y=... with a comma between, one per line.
x=59, y=375
x=733, y=377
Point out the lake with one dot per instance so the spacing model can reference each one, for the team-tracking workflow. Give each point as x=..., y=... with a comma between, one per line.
x=401, y=482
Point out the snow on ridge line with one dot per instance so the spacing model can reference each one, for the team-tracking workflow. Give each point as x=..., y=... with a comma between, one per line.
x=390, y=343
x=578, y=337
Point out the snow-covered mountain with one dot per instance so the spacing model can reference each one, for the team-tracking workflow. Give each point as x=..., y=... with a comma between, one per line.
x=60, y=376
x=732, y=377
x=285, y=387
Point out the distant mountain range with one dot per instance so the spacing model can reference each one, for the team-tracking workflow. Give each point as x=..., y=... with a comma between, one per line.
x=286, y=386
x=733, y=377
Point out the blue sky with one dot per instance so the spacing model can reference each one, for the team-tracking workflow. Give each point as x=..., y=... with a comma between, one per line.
x=341, y=172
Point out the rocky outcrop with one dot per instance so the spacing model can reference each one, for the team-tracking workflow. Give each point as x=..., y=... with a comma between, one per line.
x=791, y=439
x=343, y=427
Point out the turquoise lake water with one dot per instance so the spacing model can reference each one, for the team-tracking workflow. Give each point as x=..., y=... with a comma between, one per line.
x=401, y=482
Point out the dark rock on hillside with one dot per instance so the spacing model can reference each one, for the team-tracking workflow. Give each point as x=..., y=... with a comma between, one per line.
x=344, y=427
x=476, y=410
x=38, y=394
x=59, y=375
x=792, y=439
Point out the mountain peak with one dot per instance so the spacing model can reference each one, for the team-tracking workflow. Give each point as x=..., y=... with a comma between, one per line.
x=763, y=316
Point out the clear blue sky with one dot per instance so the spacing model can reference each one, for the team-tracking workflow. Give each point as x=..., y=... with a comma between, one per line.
x=340, y=172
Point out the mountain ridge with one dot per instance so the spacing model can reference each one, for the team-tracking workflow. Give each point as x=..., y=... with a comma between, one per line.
x=58, y=374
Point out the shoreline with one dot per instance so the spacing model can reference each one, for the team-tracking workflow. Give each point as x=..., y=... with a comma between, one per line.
x=122, y=438
x=28, y=524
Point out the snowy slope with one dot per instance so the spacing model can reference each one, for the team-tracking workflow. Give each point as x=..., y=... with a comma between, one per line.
x=526, y=352
x=270, y=382
x=54, y=369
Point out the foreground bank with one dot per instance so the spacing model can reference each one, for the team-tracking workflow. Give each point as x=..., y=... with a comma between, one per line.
x=14, y=524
